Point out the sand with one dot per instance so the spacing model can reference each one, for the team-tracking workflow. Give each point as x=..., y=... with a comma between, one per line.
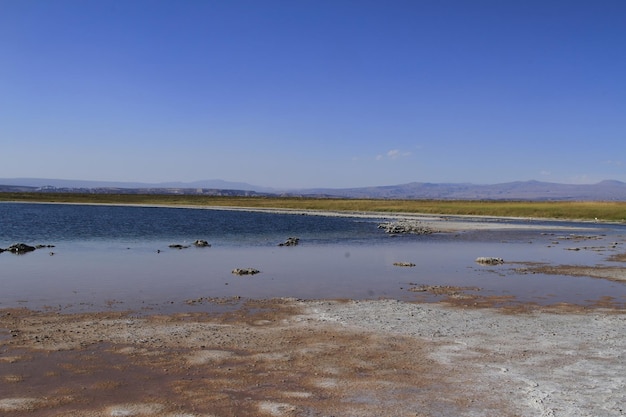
x=290, y=357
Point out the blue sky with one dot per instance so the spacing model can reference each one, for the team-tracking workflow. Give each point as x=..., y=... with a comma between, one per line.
x=324, y=93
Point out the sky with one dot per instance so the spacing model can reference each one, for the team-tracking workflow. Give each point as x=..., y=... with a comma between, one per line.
x=313, y=93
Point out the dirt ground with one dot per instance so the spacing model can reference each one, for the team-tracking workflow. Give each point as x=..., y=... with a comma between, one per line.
x=291, y=357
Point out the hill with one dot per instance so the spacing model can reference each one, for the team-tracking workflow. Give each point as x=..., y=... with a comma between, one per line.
x=609, y=190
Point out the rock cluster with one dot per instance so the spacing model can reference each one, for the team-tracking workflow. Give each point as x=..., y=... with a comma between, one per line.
x=291, y=241
x=489, y=260
x=245, y=271
x=198, y=243
x=406, y=226
x=409, y=264
x=20, y=248
x=178, y=246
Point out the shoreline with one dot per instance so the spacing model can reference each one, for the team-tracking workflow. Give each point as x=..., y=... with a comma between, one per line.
x=446, y=222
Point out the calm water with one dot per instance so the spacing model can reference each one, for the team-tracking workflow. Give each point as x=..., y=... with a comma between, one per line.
x=118, y=257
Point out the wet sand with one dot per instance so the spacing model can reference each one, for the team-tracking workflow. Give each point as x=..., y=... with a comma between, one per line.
x=465, y=356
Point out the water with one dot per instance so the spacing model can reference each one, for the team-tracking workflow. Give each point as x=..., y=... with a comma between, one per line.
x=91, y=223
x=118, y=257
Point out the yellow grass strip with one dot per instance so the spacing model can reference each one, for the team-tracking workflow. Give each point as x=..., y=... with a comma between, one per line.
x=583, y=210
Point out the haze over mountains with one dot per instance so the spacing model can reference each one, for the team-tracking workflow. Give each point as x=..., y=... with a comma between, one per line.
x=609, y=190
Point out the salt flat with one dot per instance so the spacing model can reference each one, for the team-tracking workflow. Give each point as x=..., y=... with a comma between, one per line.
x=288, y=357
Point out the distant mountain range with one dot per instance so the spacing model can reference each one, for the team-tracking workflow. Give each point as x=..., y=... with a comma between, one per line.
x=80, y=184
x=609, y=190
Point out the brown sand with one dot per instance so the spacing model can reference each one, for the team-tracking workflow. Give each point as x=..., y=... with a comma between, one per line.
x=316, y=358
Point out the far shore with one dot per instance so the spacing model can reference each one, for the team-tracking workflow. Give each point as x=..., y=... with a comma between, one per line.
x=437, y=222
x=601, y=211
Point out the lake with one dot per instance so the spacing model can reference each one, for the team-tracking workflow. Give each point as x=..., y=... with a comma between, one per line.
x=119, y=257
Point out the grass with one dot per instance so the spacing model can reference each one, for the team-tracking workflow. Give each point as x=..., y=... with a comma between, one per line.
x=583, y=210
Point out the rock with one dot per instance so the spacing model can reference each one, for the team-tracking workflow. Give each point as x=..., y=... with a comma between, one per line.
x=198, y=243
x=291, y=241
x=405, y=226
x=489, y=260
x=245, y=271
x=178, y=246
x=448, y=290
x=409, y=264
x=20, y=248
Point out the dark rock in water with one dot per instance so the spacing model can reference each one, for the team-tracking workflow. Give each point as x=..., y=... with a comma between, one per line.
x=44, y=246
x=198, y=243
x=178, y=246
x=245, y=271
x=20, y=248
x=291, y=241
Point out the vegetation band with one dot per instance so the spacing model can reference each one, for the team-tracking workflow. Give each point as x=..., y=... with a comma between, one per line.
x=575, y=210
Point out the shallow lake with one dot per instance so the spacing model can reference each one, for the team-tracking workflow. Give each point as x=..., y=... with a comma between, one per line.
x=118, y=257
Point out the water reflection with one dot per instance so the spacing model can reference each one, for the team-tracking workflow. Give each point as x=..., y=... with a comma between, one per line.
x=133, y=274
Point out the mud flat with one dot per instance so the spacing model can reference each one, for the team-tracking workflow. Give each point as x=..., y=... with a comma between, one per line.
x=288, y=357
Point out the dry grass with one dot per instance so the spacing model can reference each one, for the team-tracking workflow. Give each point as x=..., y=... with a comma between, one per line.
x=584, y=210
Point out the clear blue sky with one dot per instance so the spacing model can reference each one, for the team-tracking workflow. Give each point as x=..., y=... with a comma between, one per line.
x=320, y=93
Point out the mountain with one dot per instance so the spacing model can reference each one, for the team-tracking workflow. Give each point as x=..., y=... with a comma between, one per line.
x=215, y=184
x=609, y=190
x=82, y=184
